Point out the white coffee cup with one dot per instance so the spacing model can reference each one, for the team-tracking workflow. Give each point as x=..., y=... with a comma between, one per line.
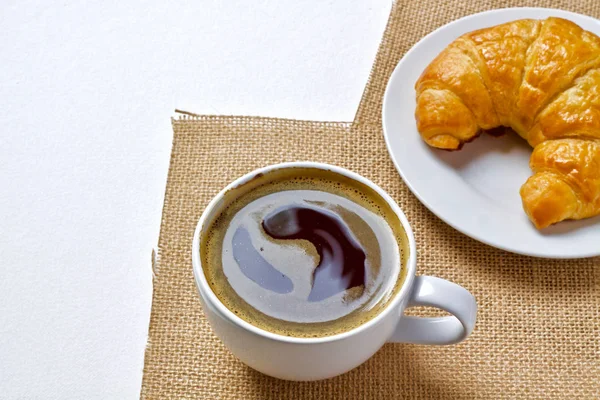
x=303, y=359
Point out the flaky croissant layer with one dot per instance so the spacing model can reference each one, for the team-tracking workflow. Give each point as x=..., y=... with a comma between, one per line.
x=540, y=78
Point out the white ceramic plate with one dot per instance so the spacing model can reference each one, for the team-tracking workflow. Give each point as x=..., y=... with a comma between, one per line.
x=476, y=189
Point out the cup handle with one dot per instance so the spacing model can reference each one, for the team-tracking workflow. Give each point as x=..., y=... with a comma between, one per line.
x=440, y=293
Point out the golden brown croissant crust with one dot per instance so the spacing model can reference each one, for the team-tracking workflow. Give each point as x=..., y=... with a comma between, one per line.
x=540, y=78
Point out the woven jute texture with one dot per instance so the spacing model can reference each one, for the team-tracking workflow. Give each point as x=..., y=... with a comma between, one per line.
x=538, y=328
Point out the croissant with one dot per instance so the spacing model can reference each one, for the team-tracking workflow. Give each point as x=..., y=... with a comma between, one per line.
x=540, y=78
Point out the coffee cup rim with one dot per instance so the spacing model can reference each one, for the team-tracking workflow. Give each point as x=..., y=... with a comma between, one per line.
x=211, y=298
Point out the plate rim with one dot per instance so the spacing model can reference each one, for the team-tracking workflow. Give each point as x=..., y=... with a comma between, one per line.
x=415, y=192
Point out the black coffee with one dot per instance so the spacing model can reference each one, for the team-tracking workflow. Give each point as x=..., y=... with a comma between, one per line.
x=305, y=252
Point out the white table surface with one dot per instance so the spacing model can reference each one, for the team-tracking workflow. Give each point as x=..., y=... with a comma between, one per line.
x=87, y=90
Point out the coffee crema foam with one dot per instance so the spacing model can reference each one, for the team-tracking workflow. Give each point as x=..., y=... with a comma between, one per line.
x=304, y=252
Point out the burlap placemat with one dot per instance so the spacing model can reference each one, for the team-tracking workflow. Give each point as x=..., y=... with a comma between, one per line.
x=538, y=331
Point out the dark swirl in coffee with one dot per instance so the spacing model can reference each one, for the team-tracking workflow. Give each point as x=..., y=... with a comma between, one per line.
x=342, y=260
x=305, y=252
